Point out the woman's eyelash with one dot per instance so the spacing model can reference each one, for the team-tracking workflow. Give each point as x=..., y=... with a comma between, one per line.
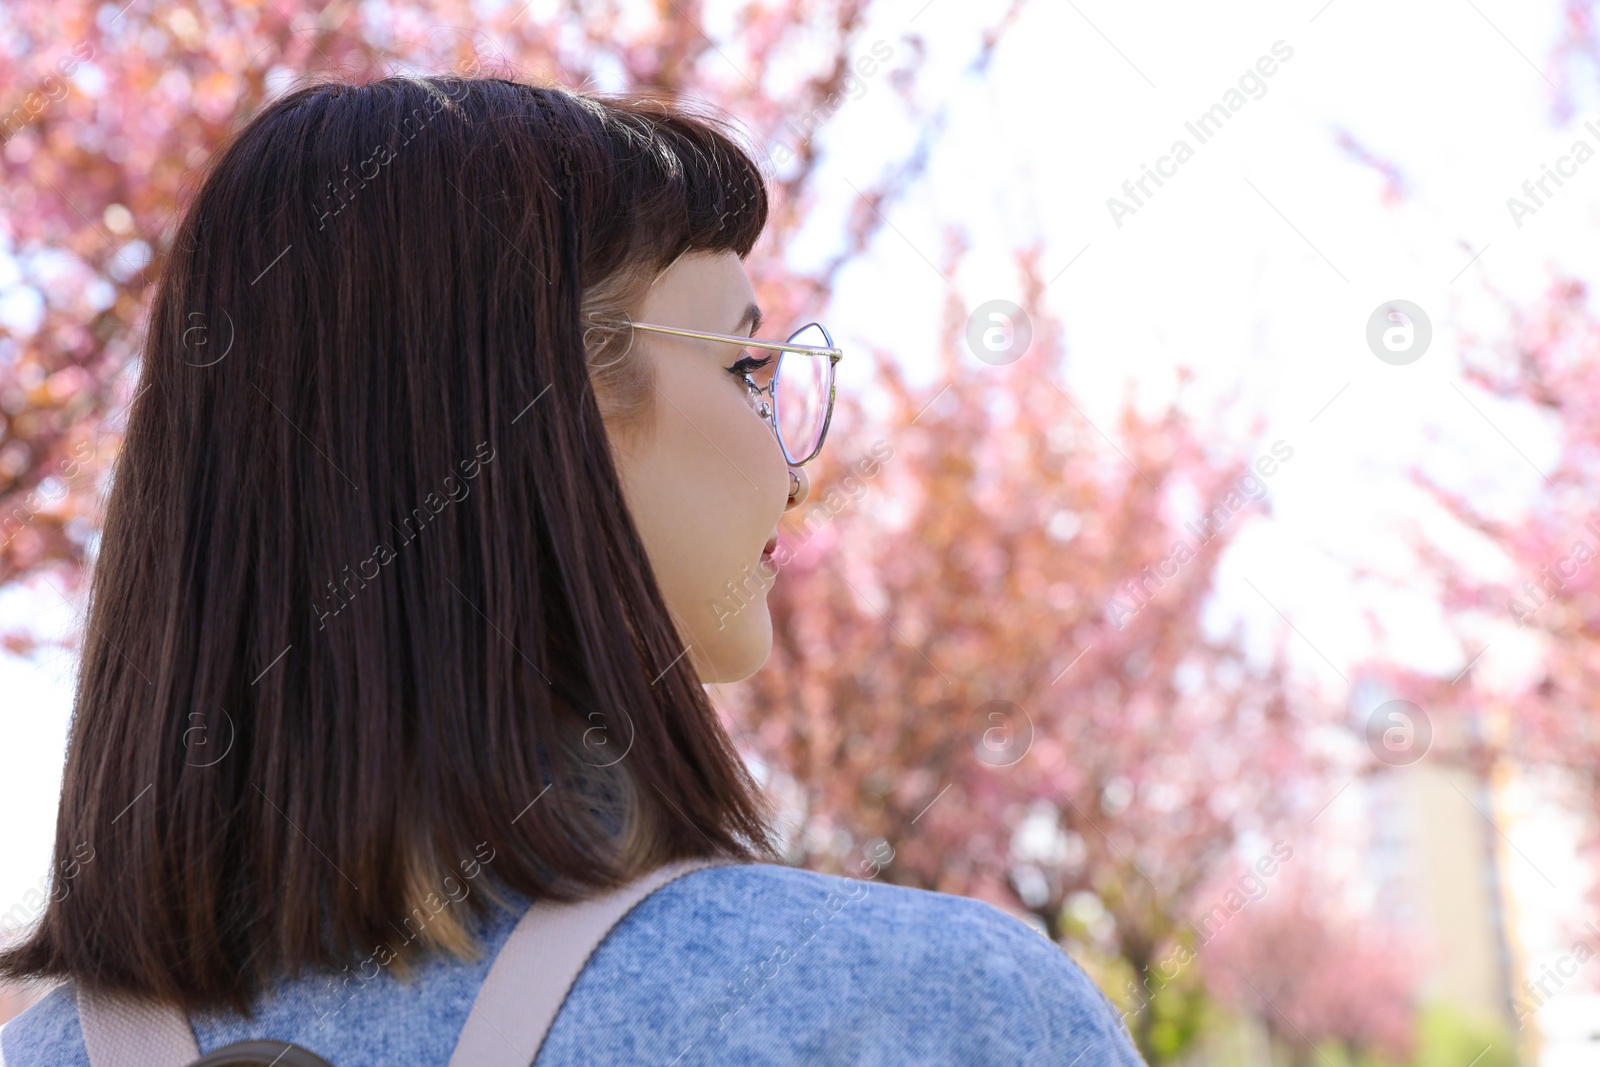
x=748, y=364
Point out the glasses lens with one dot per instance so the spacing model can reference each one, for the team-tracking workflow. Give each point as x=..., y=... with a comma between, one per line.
x=805, y=389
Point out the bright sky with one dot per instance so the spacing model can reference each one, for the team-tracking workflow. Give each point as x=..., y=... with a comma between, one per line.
x=1258, y=263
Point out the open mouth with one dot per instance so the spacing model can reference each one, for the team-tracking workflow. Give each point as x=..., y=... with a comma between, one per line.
x=766, y=553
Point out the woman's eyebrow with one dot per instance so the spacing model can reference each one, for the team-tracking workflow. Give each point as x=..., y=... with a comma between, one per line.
x=752, y=316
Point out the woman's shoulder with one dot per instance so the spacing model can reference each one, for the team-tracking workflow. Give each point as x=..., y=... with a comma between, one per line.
x=880, y=919
x=47, y=1032
x=786, y=965
x=743, y=963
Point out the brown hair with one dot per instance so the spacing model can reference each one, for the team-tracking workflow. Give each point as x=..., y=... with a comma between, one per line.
x=370, y=612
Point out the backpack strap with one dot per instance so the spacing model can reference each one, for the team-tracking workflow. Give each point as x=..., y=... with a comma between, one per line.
x=538, y=965
x=123, y=1032
x=526, y=985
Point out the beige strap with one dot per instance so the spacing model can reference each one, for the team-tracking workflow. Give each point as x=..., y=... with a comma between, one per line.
x=526, y=985
x=123, y=1032
x=536, y=968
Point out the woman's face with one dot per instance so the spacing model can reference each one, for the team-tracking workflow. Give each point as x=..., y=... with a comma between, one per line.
x=704, y=477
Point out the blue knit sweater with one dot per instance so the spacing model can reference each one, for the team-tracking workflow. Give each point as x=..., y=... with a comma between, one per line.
x=743, y=964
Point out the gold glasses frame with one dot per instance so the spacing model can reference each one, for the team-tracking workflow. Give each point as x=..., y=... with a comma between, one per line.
x=769, y=407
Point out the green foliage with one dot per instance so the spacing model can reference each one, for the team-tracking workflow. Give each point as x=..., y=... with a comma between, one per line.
x=1165, y=1017
x=1177, y=1012
x=1448, y=1038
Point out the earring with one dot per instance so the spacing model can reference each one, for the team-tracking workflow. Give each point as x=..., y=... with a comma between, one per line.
x=799, y=487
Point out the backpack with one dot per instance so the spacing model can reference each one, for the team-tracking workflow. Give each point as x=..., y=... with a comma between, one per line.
x=506, y=1026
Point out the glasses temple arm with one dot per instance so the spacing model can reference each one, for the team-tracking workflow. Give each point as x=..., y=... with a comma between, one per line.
x=750, y=342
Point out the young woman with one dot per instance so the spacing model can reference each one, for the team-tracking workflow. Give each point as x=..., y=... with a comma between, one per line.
x=446, y=443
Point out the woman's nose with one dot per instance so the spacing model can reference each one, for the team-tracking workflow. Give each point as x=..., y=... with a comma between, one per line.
x=799, y=488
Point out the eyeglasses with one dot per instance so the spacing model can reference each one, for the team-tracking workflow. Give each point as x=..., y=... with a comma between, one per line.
x=797, y=399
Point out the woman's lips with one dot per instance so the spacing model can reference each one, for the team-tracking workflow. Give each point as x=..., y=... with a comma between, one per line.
x=766, y=553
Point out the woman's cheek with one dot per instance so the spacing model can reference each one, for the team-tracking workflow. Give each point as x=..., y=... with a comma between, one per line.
x=760, y=444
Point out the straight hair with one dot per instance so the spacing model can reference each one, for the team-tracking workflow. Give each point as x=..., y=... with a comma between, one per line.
x=370, y=613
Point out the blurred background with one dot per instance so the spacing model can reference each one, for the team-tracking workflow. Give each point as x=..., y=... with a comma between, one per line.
x=1204, y=565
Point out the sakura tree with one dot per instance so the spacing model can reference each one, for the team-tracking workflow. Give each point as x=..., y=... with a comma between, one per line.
x=992, y=671
x=991, y=674
x=108, y=115
x=1541, y=605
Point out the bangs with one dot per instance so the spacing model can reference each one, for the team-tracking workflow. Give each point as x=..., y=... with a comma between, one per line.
x=679, y=181
x=410, y=590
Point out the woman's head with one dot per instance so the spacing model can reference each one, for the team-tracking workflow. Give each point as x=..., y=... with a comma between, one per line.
x=400, y=531
x=704, y=477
